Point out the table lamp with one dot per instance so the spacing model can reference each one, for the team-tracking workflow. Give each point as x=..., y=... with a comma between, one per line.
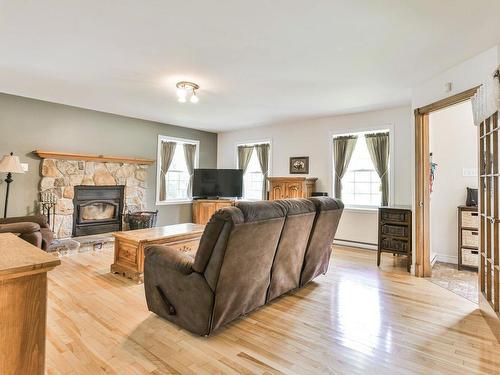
x=9, y=164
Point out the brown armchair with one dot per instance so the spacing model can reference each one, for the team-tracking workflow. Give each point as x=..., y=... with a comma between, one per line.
x=33, y=229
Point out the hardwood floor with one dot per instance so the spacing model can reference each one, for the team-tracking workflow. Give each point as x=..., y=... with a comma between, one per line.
x=355, y=319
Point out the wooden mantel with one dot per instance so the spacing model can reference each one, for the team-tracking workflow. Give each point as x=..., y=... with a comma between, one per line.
x=90, y=157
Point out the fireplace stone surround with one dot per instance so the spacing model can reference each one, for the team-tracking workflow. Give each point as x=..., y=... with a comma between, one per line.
x=60, y=177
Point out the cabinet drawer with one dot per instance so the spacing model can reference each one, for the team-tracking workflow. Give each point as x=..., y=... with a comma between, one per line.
x=470, y=238
x=395, y=230
x=395, y=245
x=394, y=216
x=470, y=219
x=470, y=257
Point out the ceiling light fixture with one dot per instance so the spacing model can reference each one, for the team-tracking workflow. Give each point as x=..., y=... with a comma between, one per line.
x=187, y=89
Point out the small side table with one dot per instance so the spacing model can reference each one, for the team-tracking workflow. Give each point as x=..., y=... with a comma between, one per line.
x=394, y=232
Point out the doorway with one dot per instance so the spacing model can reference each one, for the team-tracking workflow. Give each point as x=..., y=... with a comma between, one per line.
x=454, y=221
x=488, y=196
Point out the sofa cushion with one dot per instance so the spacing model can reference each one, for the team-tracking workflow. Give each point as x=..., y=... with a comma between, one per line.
x=319, y=248
x=246, y=260
x=260, y=210
x=212, y=235
x=287, y=265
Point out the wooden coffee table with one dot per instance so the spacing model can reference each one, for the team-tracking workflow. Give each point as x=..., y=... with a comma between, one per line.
x=129, y=246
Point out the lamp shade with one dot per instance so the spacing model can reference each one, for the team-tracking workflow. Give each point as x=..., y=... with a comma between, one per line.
x=11, y=164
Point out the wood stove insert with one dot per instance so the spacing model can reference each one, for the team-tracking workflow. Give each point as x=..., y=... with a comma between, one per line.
x=98, y=209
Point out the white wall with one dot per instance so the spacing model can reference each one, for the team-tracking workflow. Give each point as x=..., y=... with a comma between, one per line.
x=313, y=138
x=454, y=147
x=467, y=75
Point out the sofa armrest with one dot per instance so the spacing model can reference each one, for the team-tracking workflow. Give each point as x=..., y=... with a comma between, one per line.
x=165, y=256
x=21, y=228
x=41, y=220
x=174, y=291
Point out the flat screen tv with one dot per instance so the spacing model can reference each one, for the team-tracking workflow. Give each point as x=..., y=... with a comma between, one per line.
x=218, y=183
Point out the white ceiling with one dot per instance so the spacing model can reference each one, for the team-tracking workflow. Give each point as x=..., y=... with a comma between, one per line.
x=257, y=62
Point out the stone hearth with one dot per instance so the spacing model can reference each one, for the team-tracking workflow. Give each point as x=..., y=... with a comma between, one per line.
x=61, y=176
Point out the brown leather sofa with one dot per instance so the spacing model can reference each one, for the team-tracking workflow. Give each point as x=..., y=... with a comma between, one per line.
x=248, y=255
x=33, y=229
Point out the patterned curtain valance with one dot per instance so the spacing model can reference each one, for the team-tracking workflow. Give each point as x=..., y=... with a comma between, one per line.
x=487, y=99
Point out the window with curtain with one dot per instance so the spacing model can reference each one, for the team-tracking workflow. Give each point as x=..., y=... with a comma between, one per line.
x=362, y=175
x=177, y=159
x=253, y=159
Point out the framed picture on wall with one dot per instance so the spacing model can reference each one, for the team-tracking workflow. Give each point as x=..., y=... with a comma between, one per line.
x=299, y=165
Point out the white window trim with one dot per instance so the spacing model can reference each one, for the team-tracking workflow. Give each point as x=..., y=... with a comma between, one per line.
x=253, y=143
x=365, y=129
x=162, y=138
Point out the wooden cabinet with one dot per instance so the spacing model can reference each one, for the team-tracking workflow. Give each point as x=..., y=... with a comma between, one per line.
x=468, y=238
x=203, y=209
x=23, y=305
x=394, y=232
x=291, y=187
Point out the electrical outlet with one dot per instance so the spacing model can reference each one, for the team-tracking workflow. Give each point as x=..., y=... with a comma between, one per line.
x=25, y=167
x=469, y=172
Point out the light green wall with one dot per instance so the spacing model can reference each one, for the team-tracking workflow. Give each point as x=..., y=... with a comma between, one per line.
x=28, y=124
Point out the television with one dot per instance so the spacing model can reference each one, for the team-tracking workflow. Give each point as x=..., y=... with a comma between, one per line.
x=218, y=183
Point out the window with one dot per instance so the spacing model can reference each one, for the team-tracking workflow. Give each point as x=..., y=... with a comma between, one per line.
x=174, y=182
x=361, y=184
x=253, y=178
x=177, y=177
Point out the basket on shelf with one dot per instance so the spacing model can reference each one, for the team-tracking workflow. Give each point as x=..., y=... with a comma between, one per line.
x=141, y=219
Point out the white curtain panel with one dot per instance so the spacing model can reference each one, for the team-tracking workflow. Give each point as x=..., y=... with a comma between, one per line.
x=486, y=101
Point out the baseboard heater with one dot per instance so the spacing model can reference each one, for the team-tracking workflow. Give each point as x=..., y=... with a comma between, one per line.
x=360, y=244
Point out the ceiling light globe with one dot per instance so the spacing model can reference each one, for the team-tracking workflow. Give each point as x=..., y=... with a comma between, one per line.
x=194, y=98
x=181, y=91
x=182, y=99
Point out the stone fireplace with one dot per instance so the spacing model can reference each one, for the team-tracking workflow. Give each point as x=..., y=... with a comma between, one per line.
x=63, y=178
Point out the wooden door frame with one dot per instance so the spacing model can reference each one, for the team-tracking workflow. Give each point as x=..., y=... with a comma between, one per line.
x=422, y=179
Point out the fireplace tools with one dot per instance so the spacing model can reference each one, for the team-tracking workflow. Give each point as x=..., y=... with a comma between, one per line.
x=48, y=205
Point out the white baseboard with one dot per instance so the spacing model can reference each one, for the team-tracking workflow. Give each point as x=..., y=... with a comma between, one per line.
x=433, y=259
x=360, y=245
x=453, y=259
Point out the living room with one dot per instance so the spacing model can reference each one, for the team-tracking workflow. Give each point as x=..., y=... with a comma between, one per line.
x=205, y=188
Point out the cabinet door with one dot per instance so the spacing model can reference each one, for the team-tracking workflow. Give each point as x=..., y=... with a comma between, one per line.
x=277, y=192
x=220, y=205
x=294, y=190
x=205, y=212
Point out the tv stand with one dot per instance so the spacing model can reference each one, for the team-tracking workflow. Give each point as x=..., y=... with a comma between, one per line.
x=203, y=209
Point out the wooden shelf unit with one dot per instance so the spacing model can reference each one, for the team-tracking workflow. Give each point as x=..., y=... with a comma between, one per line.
x=394, y=232
x=468, y=225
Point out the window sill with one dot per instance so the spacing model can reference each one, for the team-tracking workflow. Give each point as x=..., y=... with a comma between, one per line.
x=174, y=202
x=361, y=209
